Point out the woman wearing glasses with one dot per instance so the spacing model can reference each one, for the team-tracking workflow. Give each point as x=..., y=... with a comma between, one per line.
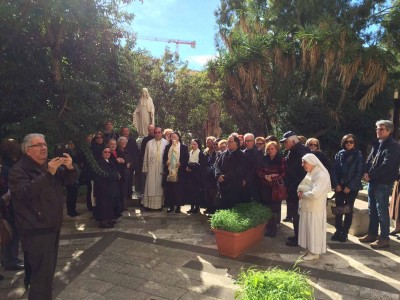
x=346, y=179
x=97, y=145
x=314, y=146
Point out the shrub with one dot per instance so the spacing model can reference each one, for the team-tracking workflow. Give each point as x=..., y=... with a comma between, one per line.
x=240, y=218
x=273, y=284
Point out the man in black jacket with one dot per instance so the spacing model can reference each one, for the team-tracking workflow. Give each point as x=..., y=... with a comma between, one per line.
x=253, y=158
x=134, y=152
x=37, y=187
x=229, y=172
x=294, y=175
x=381, y=170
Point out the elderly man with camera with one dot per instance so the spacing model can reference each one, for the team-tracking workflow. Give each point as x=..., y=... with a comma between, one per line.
x=37, y=186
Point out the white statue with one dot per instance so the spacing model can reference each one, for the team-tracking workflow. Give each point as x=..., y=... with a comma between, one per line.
x=143, y=115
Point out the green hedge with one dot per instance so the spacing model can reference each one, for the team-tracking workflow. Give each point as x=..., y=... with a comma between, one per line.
x=240, y=218
x=273, y=284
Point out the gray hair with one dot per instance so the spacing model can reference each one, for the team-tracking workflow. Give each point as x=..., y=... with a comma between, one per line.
x=294, y=138
x=27, y=141
x=250, y=135
x=122, y=138
x=388, y=124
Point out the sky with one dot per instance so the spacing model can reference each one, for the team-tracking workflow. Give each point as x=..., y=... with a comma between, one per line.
x=187, y=20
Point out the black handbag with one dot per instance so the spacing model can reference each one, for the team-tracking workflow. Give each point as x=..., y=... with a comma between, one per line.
x=341, y=210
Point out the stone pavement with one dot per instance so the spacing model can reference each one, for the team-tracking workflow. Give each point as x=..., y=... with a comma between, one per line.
x=152, y=255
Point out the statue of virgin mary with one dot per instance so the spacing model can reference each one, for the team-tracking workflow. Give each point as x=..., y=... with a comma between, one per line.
x=143, y=115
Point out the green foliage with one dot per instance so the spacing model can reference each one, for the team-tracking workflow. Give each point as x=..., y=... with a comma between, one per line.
x=241, y=217
x=65, y=69
x=303, y=66
x=273, y=284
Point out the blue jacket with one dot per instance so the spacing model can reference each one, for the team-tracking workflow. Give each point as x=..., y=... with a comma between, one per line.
x=348, y=169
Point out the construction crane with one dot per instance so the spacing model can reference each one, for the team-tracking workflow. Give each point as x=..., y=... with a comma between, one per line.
x=175, y=41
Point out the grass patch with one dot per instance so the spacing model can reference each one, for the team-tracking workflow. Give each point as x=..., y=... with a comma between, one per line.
x=273, y=284
x=240, y=218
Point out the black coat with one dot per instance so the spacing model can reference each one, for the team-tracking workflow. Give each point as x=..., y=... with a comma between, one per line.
x=38, y=196
x=253, y=158
x=174, y=191
x=295, y=172
x=383, y=162
x=134, y=152
x=231, y=165
x=106, y=190
x=195, y=180
x=348, y=169
x=210, y=181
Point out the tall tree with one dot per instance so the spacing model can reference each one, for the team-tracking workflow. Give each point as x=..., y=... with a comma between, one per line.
x=61, y=68
x=276, y=53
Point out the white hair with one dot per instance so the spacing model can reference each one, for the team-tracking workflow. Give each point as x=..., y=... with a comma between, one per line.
x=122, y=138
x=250, y=135
x=293, y=138
x=27, y=140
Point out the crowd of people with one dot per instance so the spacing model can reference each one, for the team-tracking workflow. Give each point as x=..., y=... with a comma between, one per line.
x=168, y=174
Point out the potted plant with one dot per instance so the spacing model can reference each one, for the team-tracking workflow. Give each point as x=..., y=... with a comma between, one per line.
x=238, y=229
x=274, y=284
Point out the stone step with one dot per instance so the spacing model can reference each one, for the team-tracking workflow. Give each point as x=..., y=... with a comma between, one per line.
x=359, y=225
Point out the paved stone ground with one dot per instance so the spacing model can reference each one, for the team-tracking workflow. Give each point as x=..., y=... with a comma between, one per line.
x=152, y=255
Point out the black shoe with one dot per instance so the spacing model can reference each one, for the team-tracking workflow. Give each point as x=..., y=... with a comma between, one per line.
x=394, y=232
x=74, y=214
x=106, y=225
x=27, y=282
x=335, y=236
x=270, y=233
x=292, y=238
x=178, y=210
x=342, y=237
x=189, y=211
x=170, y=210
x=16, y=267
x=1, y=277
x=292, y=243
x=287, y=219
x=196, y=210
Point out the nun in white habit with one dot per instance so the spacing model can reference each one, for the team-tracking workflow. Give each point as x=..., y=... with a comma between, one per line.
x=312, y=192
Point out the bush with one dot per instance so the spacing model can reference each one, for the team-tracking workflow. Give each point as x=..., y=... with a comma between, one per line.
x=240, y=218
x=273, y=284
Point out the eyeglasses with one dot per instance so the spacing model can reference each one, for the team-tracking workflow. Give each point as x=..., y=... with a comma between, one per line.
x=349, y=142
x=313, y=145
x=39, y=145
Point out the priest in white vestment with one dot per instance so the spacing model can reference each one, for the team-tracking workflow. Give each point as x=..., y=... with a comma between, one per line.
x=153, y=196
x=312, y=192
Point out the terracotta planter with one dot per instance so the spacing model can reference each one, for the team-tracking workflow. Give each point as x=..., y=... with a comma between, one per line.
x=233, y=244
